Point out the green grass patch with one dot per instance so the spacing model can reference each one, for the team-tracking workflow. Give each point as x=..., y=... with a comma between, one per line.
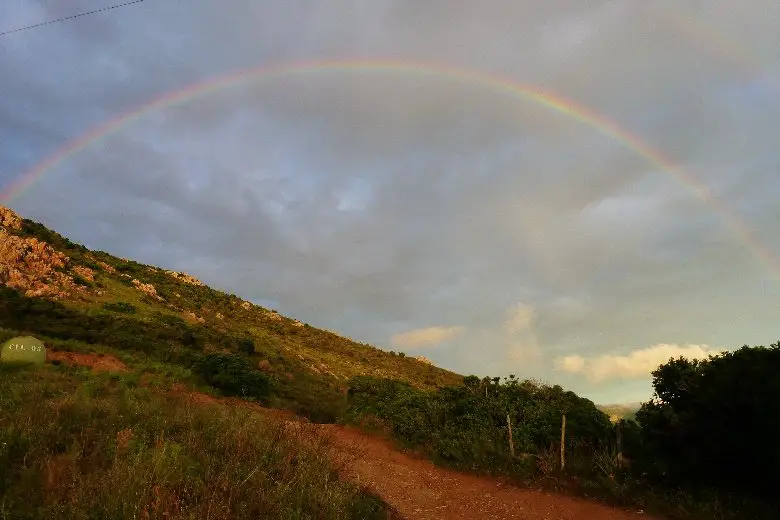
x=74, y=445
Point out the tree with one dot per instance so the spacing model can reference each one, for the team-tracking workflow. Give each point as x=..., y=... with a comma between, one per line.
x=711, y=422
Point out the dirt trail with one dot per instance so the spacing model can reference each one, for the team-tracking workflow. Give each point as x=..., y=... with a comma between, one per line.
x=98, y=363
x=419, y=490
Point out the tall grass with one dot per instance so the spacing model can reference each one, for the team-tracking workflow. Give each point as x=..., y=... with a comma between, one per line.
x=77, y=446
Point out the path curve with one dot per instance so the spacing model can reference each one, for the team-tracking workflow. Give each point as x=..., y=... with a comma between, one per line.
x=420, y=490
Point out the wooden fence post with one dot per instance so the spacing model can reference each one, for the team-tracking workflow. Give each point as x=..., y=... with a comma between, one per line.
x=511, y=440
x=563, y=442
x=619, y=447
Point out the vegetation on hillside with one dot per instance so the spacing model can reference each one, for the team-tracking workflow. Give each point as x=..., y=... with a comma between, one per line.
x=692, y=454
x=468, y=426
x=174, y=318
x=80, y=445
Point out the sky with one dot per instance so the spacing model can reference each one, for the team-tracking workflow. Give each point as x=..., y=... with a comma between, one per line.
x=438, y=215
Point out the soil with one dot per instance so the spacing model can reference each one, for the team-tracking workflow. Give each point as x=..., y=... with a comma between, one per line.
x=419, y=490
x=105, y=363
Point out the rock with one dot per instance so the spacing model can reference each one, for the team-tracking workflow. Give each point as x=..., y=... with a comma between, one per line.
x=84, y=272
x=9, y=219
x=33, y=267
x=106, y=267
x=246, y=305
x=146, y=288
x=423, y=359
x=194, y=317
x=184, y=277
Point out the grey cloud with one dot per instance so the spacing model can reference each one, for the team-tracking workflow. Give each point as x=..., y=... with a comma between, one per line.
x=377, y=203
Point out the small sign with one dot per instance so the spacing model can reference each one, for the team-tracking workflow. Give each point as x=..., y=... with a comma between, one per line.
x=23, y=349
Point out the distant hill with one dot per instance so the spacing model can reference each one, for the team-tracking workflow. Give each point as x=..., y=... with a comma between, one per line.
x=620, y=411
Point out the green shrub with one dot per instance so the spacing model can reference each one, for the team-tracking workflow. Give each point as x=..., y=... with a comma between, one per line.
x=465, y=426
x=79, y=280
x=707, y=416
x=247, y=346
x=123, y=307
x=233, y=375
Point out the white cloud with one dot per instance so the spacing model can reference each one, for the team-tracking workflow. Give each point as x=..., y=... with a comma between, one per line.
x=574, y=364
x=637, y=364
x=519, y=318
x=519, y=329
x=524, y=351
x=427, y=337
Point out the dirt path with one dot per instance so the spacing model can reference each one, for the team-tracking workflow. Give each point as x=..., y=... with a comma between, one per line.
x=419, y=490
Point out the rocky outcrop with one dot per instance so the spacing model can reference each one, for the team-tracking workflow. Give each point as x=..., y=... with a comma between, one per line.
x=423, y=359
x=184, y=277
x=194, y=318
x=9, y=219
x=84, y=272
x=33, y=267
x=322, y=368
x=106, y=267
x=146, y=288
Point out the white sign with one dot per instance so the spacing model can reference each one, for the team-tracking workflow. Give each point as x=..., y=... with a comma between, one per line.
x=15, y=347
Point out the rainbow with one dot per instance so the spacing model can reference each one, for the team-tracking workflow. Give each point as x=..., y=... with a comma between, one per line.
x=496, y=83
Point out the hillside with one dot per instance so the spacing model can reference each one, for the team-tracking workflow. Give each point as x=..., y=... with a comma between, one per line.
x=621, y=411
x=55, y=288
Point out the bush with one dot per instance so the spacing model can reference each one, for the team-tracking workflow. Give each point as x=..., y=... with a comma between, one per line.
x=127, y=308
x=465, y=426
x=247, y=346
x=79, y=280
x=233, y=375
x=704, y=425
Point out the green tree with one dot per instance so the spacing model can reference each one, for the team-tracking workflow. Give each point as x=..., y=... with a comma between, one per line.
x=711, y=422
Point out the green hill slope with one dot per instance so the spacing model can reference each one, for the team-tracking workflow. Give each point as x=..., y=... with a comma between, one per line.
x=55, y=288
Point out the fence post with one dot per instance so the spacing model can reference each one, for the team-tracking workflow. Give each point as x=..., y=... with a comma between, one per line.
x=511, y=440
x=563, y=442
x=619, y=447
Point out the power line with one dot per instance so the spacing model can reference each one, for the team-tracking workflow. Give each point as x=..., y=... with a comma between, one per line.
x=70, y=17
